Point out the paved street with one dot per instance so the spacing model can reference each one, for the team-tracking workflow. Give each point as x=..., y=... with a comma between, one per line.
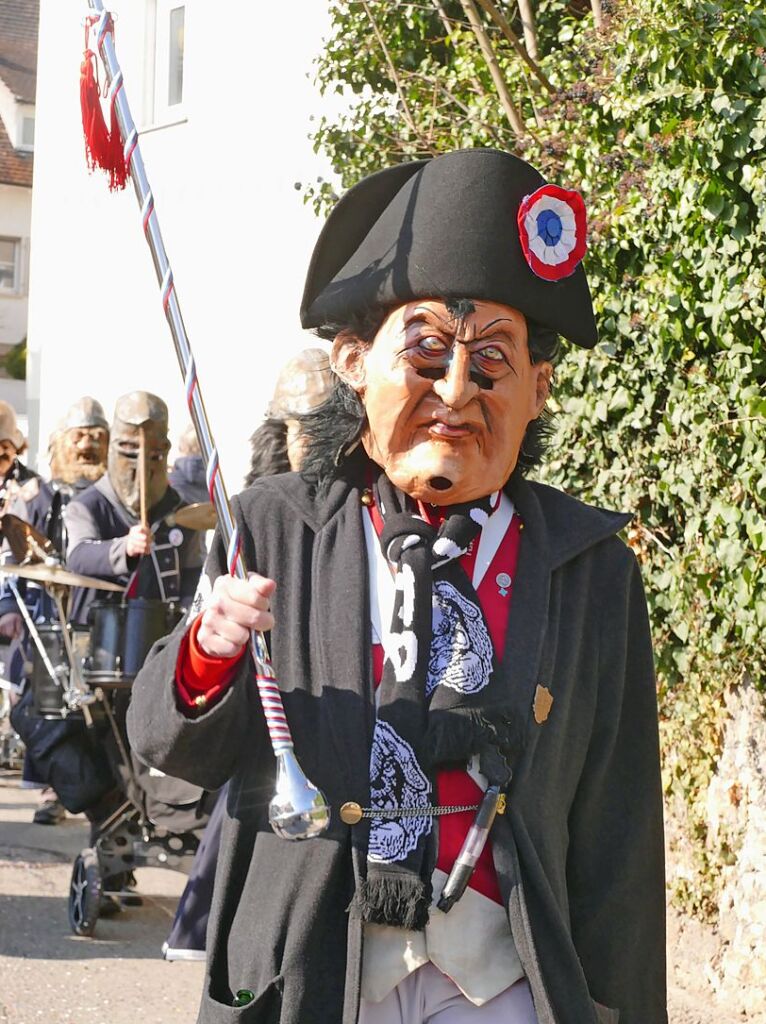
x=46, y=973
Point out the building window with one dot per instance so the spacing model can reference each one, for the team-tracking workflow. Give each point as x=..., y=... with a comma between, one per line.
x=27, y=132
x=9, y=264
x=169, y=28
x=176, y=56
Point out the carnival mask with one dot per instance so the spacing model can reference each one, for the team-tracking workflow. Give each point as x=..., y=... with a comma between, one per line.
x=140, y=425
x=78, y=447
x=79, y=453
x=448, y=393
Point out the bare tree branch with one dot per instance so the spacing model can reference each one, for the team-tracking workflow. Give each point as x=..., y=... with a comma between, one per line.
x=392, y=70
x=598, y=16
x=504, y=25
x=527, y=16
x=449, y=28
x=470, y=115
x=513, y=115
x=443, y=16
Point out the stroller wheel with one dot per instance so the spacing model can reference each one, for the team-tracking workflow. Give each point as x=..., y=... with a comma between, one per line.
x=85, y=893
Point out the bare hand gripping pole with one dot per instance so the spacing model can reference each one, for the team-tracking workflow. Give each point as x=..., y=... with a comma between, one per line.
x=298, y=810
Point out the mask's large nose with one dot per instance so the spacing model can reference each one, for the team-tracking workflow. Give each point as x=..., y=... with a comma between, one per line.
x=455, y=388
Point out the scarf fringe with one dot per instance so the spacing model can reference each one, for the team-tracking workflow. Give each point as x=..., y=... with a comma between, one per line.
x=399, y=900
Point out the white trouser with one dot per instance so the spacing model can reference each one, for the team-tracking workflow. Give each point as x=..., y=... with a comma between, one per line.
x=429, y=997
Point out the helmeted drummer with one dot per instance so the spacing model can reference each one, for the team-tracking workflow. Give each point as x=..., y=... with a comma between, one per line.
x=443, y=629
x=106, y=536
x=77, y=453
x=156, y=561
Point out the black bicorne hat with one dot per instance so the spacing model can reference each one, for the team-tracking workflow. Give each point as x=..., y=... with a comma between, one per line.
x=451, y=228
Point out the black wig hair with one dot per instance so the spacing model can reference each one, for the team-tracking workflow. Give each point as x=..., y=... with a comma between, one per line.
x=268, y=451
x=333, y=430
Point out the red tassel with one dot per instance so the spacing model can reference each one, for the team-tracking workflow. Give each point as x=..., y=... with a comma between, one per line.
x=103, y=146
x=118, y=169
x=93, y=124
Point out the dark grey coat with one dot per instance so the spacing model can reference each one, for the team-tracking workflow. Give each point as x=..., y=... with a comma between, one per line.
x=579, y=853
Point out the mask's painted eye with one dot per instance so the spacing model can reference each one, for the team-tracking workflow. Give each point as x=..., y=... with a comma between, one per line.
x=493, y=353
x=432, y=344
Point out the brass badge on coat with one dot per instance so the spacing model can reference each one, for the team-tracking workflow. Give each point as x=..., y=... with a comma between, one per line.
x=543, y=703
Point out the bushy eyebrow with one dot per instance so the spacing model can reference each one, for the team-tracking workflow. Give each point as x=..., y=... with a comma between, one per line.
x=421, y=314
x=497, y=320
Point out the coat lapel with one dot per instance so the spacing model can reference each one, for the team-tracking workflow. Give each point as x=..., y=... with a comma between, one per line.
x=529, y=611
x=556, y=528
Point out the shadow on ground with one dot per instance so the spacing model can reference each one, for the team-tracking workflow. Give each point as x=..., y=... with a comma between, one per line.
x=137, y=931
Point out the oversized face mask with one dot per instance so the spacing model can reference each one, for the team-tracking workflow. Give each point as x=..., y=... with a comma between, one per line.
x=124, y=450
x=79, y=453
x=448, y=394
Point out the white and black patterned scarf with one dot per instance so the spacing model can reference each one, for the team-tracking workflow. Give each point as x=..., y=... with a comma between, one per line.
x=440, y=700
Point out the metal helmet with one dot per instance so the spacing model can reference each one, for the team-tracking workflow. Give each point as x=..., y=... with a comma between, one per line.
x=85, y=412
x=304, y=383
x=138, y=414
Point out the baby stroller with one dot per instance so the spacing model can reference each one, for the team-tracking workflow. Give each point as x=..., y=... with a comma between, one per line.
x=153, y=820
x=73, y=721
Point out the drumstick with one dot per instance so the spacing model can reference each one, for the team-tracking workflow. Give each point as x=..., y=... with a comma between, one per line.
x=142, y=455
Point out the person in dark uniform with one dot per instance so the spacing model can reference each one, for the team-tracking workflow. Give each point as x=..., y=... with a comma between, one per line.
x=77, y=456
x=445, y=633
x=13, y=472
x=18, y=484
x=107, y=538
x=157, y=563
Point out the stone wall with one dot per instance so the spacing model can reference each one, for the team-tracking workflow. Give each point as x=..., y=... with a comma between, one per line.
x=736, y=805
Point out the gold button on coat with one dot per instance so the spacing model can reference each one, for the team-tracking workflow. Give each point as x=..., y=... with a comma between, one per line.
x=351, y=813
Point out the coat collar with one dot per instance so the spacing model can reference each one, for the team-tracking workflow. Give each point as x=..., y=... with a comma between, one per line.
x=563, y=526
x=566, y=527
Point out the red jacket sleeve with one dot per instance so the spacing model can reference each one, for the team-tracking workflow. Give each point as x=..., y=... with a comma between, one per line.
x=201, y=679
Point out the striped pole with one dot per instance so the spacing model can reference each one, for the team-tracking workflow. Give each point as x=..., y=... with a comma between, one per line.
x=268, y=689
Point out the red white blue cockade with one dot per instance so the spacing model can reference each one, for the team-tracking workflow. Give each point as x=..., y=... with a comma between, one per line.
x=552, y=229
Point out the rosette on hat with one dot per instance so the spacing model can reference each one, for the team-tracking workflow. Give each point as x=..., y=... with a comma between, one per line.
x=553, y=228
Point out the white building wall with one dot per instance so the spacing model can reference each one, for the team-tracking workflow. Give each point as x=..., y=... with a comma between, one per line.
x=236, y=230
x=9, y=112
x=15, y=216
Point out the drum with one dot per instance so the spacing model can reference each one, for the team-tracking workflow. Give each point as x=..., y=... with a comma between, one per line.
x=53, y=697
x=121, y=636
x=146, y=622
x=103, y=665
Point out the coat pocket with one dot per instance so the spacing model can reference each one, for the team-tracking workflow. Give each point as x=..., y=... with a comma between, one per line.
x=605, y=1014
x=266, y=1008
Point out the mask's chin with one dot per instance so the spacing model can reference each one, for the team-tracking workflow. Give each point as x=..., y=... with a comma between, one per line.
x=438, y=481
